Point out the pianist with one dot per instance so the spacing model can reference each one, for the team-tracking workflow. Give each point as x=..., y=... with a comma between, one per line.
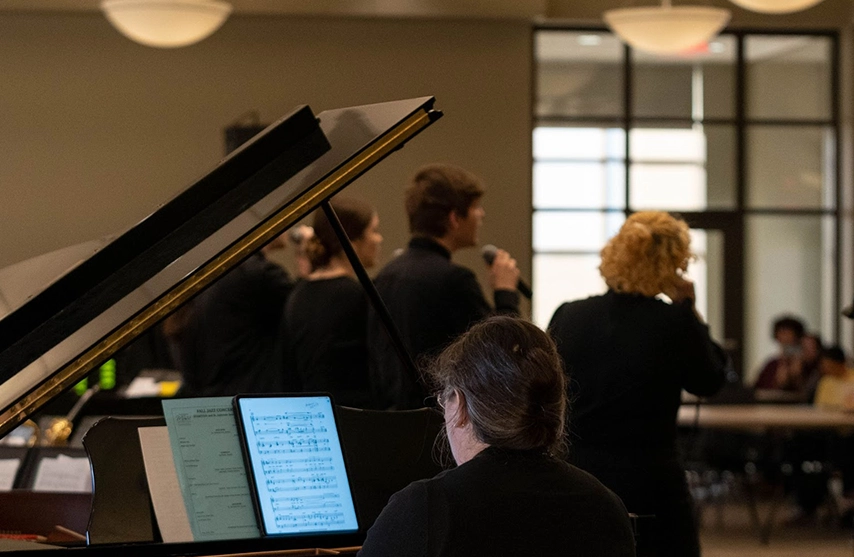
x=502, y=390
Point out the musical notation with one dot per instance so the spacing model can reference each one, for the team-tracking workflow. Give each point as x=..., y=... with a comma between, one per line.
x=302, y=469
x=319, y=520
x=298, y=465
x=306, y=502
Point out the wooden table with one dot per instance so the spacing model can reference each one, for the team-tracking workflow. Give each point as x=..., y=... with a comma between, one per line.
x=765, y=418
x=753, y=417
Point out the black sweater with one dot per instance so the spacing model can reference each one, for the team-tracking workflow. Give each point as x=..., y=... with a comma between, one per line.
x=503, y=503
x=432, y=301
x=325, y=332
x=628, y=357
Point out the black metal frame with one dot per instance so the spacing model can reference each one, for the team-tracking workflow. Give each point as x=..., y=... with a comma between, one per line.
x=731, y=221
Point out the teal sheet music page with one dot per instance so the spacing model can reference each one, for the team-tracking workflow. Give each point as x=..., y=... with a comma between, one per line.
x=210, y=466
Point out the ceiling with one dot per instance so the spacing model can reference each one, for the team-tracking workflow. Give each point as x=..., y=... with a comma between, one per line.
x=830, y=13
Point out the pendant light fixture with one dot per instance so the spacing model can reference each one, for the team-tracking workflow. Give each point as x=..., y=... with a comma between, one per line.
x=166, y=23
x=666, y=29
x=775, y=6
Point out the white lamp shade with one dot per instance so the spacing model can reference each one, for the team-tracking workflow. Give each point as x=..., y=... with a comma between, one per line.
x=665, y=29
x=776, y=6
x=166, y=23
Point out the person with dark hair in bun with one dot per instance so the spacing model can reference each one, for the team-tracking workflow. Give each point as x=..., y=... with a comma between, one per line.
x=325, y=321
x=501, y=387
x=630, y=355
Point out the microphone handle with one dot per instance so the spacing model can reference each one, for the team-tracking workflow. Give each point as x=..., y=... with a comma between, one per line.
x=524, y=289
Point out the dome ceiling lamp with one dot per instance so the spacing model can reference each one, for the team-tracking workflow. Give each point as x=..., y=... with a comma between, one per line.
x=166, y=23
x=666, y=29
x=776, y=6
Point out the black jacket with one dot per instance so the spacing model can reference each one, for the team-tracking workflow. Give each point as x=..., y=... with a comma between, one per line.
x=503, y=503
x=325, y=336
x=432, y=301
x=230, y=343
x=627, y=358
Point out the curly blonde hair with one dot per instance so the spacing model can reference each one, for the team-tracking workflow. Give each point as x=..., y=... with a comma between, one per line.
x=646, y=255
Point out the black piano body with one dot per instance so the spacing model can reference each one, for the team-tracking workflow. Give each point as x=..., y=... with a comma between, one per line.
x=72, y=310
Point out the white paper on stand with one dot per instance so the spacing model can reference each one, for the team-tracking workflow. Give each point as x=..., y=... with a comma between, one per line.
x=169, y=508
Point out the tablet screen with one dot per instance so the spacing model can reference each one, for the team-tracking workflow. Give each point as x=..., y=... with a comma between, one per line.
x=296, y=464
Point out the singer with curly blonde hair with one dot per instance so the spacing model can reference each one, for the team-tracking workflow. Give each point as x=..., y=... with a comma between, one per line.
x=629, y=354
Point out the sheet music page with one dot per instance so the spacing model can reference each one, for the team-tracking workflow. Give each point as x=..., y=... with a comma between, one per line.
x=298, y=465
x=64, y=473
x=8, y=470
x=163, y=485
x=210, y=468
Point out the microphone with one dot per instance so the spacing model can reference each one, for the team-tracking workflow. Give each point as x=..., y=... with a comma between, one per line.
x=488, y=252
x=301, y=233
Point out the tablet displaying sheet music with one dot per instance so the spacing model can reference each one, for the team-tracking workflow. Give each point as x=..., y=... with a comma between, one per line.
x=295, y=464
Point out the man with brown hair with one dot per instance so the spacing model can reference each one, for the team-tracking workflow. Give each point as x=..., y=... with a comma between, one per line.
x=431, y=299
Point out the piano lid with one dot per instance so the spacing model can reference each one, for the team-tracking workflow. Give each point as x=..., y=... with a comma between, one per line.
x=65, y=313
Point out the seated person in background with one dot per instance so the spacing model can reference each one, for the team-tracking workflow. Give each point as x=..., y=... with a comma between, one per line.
x=836, y=387
x=431, y=299
x=784, y=372
x=628, y=355
x=326, y=316
x=502, y=390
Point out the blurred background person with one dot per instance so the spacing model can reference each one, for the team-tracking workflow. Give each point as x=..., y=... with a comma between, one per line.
x=431, y=299
x=836, y=386
x=229, y=334
x=299, y=237
x=501, y=387
x=629, y=355
x=325, y=323
x=785, y=370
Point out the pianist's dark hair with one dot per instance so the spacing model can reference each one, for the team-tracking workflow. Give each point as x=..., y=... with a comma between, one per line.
x=435, y=191
x=355, y=216
x=513, y=382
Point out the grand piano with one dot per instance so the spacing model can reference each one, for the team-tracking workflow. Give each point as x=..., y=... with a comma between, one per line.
x=62, y=315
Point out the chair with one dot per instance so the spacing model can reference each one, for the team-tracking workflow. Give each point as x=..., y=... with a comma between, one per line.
x=386, y=451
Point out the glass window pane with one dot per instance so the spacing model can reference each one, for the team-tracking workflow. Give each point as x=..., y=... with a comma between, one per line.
x=790, y=269
x=579, y=185
x=720, y=167
x=562, y=278
x=699, y=84
x=788, y=77
x=706, y=182
x=673, y=186
x=790, y=167
x=590, y=144
x=574, y=231
x=667, y=144
x=578, y=74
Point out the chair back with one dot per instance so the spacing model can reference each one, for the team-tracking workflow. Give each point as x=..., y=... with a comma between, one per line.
x=386, y=451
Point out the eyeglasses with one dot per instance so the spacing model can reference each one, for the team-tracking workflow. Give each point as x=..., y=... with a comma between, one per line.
x=442, y=398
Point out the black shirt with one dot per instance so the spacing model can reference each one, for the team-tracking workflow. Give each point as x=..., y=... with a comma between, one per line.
x=628, y=357
x=229, y=345
x=503, y=503
x=432, y=301
x=325, y=330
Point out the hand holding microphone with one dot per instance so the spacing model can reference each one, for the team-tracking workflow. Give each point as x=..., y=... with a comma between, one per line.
x=503, y=271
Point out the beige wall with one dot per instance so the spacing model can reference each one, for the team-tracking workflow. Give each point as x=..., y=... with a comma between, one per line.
x=96, y=130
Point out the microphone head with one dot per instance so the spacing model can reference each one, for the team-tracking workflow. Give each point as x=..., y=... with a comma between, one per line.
x=301, y=233
x=488, y=252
